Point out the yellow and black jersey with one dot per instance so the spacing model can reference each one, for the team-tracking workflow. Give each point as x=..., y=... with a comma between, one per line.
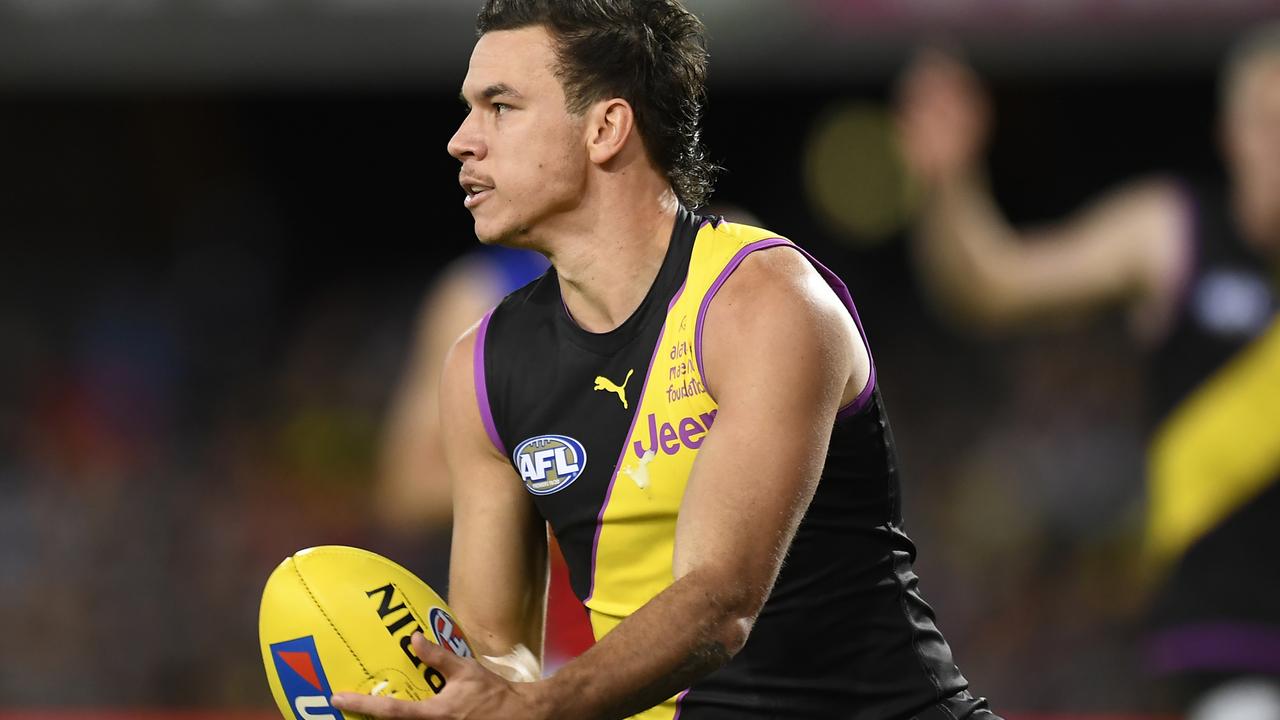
x=1213, y=461
x=603, y=430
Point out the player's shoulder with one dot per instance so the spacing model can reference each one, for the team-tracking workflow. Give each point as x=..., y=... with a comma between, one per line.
x=755, y=259
x=763, y=275
x=508, y=315
x=519, y=319
x=460, y=361
x=774, y=295
x=1162, y=214
x=721, y=232
x=1157, y=208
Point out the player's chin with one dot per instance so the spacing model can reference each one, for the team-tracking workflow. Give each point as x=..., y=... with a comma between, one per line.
x=489, y=232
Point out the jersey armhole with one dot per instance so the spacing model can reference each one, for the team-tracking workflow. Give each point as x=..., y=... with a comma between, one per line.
x=1189, y=232
x=860, y=402
x=482, y=386
x=1155, y=317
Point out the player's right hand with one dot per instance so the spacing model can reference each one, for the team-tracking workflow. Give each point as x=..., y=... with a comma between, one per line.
x=943, y=117
x=472, y=693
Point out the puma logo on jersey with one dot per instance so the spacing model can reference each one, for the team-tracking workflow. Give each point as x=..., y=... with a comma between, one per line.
x=604, y=383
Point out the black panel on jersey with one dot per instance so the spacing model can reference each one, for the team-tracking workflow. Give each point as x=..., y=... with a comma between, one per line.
x=845, y=633
x=541, y=367
x=1227, y=576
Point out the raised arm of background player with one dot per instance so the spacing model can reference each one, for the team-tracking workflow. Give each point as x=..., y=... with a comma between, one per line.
x=741, y=508
x=1129, y=248
x=412, y=492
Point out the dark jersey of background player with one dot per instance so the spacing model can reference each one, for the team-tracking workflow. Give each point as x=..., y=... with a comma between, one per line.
x=603, y=429
x=1229, y=296
x=1215, y=527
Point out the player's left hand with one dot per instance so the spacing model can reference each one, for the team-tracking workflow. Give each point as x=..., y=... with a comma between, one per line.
x=470, y=692
x=943, y=117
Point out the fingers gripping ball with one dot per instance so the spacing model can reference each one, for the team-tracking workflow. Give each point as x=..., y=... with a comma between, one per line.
x=339, y=619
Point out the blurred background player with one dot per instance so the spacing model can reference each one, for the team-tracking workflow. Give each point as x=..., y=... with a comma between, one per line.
x=1194, y=267
x=412, y=495
x=413, y=498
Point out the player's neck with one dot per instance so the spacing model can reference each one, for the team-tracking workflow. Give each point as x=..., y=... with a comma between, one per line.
x=607, y=265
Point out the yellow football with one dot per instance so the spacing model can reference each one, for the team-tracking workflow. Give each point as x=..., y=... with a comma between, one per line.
x=339, y=619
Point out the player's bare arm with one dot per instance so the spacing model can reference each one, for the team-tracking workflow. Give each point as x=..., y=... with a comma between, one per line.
x=498, y=567
x=740, y=511
x=1127, y=249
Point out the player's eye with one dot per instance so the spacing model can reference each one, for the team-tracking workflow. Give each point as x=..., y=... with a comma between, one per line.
x=501, y=108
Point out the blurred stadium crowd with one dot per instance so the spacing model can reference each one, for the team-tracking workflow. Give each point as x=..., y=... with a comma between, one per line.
x=209, y=296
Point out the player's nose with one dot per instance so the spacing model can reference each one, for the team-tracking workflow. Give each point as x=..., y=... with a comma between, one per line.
x=467, y=142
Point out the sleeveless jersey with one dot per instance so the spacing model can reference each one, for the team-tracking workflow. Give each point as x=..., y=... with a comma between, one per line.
x=603, y=430
x=1229, y=298
x=1214, y=459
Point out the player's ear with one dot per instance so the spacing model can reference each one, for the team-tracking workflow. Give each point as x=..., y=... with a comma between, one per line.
x=609, y=124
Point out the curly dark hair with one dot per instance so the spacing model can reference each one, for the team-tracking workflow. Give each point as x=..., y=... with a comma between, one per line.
x=651, y=53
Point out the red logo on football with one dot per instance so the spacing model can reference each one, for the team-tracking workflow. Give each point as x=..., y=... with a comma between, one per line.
x=447, y=633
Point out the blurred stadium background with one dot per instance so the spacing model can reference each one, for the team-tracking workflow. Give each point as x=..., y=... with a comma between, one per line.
x=219, y=217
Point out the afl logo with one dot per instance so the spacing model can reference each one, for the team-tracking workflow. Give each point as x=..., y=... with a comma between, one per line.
x=549, y=463
x=447, y=633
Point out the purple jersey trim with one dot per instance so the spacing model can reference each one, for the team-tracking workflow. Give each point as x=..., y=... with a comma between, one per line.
x=859, y=403
x=1189, y=237
x=679, y=705
x=715, y=288
x=626, y=445
x=1216, y=646
x=841, y=290
x=482, y=387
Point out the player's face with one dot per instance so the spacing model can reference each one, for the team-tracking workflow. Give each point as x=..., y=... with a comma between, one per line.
x=523, y=153
x=1253, y=151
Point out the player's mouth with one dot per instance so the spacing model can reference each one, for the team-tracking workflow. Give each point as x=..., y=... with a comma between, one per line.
x=477, y=192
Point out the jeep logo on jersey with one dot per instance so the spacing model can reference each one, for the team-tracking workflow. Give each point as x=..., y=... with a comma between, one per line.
x=549, y=463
